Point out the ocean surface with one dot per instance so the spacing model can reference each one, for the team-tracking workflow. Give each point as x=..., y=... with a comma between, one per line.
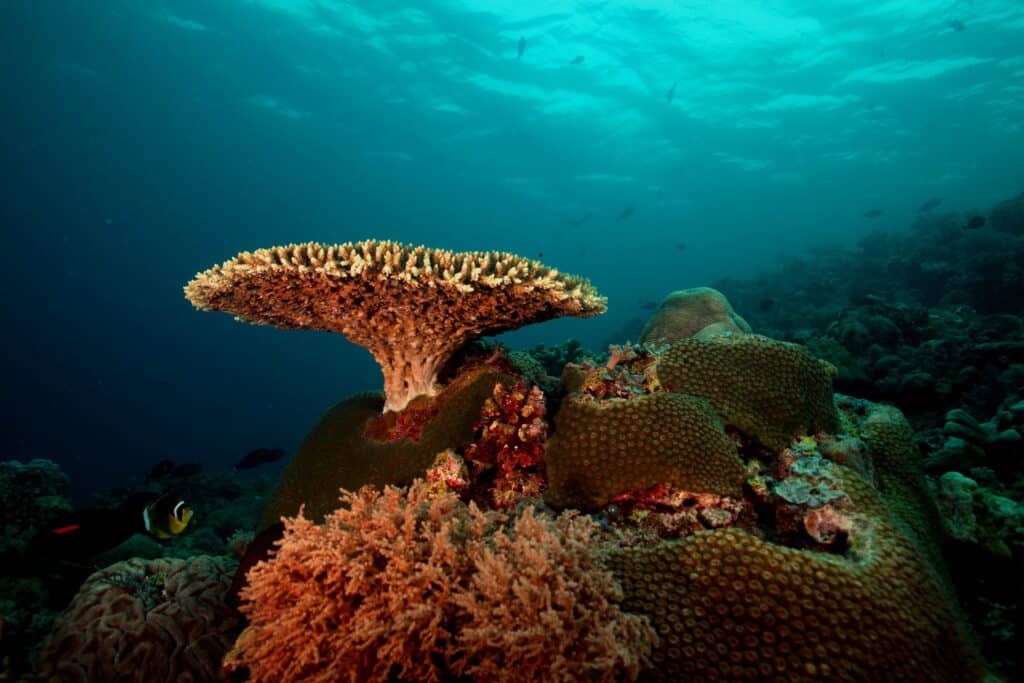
x=649, y=146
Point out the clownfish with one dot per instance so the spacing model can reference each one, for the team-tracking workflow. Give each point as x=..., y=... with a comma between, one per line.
x=89, y=532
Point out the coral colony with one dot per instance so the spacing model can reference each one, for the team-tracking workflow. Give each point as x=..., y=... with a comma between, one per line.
x=698, y=506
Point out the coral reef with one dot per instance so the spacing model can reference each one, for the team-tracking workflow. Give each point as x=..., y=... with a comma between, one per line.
x=931, y=319
x=413, y=308
x=32, y=494
x=416, y=585
x=144, y=620
x=1008, y=216
x=697, y=312
x=810, y=595
x=766, y=527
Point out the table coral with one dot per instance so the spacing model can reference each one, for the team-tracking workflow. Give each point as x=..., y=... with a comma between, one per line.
x=412, y=307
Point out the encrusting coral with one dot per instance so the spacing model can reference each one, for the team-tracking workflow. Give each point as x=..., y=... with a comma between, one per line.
x=416, y=585
x=413, y=308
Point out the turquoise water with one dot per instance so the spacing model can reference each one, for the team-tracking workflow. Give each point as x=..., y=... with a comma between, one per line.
x=650, y=146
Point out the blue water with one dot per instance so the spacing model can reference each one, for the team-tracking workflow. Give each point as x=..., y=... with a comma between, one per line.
x=144, y=141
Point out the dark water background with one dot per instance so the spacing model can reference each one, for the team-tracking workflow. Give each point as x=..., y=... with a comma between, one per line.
x=144, y=141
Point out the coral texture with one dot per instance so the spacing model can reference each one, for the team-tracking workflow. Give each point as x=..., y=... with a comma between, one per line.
x=696, y=312
x=731, y=605
x=602, y=448
x=413, y=308
x=32, y=494
x=402, y=585
x=900, y=476
x=145, y=620
x=768, y=389
x=509, y=447
x=339, y=453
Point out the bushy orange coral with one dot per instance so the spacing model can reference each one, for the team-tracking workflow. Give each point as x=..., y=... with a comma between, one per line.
x=403, y=584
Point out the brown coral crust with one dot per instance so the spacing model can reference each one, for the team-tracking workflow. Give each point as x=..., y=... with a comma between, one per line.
x=603, y=448
x=900, y=472
x=768, y=389
x=338, y=453
x=729, y=606
x=411, y=307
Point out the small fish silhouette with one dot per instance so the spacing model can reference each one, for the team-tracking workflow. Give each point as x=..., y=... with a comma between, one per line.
x=681, y=246
x=975, y=223
x=578, y=59
x=625, y=213
x=929, y=205
x=522, y=47
x=671, y=95
x=956, y=25
x=579, y=221
x=873, y=213
x=259, y=456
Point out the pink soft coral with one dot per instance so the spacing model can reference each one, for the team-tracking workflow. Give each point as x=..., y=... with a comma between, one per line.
x=410, y=585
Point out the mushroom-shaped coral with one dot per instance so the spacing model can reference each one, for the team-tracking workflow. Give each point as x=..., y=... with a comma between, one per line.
x=413, y=308
x=696, y=312
x=145, y=620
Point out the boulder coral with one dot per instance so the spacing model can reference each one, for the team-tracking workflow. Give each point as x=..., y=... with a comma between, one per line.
x=144, y=620
x=601, y=449
x=771, y=390
x=413, y=308
x=697, y=312
x=840, y=579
